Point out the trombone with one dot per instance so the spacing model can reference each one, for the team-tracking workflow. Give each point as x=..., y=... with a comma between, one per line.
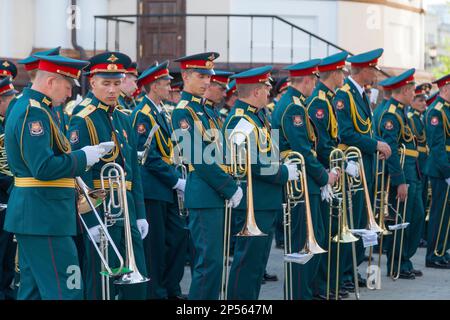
x=115, y=179
x=182, y=210
x=4, y=167
x=380, y=207
x=395, y=275
x=344, y=235
x=296, y=192
x=441, y=225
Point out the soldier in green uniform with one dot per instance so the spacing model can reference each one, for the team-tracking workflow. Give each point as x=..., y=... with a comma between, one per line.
x=7, y=246
x=41, y=211
x=355, y=129
x=174, y=96
x=297, y=134
x=438, y=170
x=129, y=87
x=379, y=110
x=405, y=182
x=215, y=94
x=208, y=184
x=101, y=121
x=161, y=184
x=322, y=114
x=268, y=178
x=278, y=90
x=230, y=99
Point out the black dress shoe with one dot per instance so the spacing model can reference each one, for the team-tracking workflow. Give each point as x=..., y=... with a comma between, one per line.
x=417, y=272
x=422, y=243
x=180, y=297
x=348, y=286
x=407, y=275
x=437, y=265
x=279, y=246
x=324, y=296
x=263, y=281
x=270, y=277
x=362, y=282
x=343, y=293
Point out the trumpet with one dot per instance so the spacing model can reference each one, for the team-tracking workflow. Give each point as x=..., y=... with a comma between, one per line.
x=441, y=225
x=395, y=275
x=115, y=179
x=344, y=235
x=296, y=192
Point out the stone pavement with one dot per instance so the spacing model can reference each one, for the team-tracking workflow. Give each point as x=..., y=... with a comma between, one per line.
x=434, y=285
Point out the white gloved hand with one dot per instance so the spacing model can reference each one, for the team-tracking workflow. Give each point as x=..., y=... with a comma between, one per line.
x=142, y=226
x=93, y=154
x=181, y=185
x=448, y=181
x=326, y=193
x=95, y=233
x=352, y=169
x=236, y=198
x=106, y=146
x=293, y=171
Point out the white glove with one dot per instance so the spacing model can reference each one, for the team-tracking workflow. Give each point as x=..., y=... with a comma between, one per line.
x=142, y=225
x=352, y=169
x=448, y=181
x=236, y=198
x=181, y=185
x=293, y=171
x=95, y=233
x=93, y=154
x=107, y=146
x=326, y=193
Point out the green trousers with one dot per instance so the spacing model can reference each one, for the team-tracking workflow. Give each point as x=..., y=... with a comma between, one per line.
x=164, y=247
x=49, y=268
x=439, y=188
x=304, y=276
x=7, y=255
x=206, y=229
x=250, y=257
x=92, y=267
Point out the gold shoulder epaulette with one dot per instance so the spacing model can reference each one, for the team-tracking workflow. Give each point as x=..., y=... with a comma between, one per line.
x=35, y=103
x=392, y=108
x=345, y=87
x=322, y=95
x=410, y=115
x=182, y=104
x=86, y=111
x=439, y=106
x=85, y=102
x=239, y=112
x=296, y=100
x=270, y=106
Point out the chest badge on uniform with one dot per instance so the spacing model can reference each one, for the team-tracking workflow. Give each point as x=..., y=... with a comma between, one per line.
x=74, y=137
x=184, y=124
x=340, y=105
x=141, y=128
x=320, y=114
x=388, y=125
x=36, y=128
x=297, y=120
x=434, y=121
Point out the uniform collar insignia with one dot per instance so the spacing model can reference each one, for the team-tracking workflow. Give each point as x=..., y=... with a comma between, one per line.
x=195, y=99
x=46, y=101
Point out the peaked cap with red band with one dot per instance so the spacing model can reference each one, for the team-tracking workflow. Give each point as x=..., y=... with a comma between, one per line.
x=160, y=71
x=366, y=59
x=253, y=76
x=201, y=62
x=334, y=62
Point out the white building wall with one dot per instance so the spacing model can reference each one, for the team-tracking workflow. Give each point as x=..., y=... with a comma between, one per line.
x=372, y=26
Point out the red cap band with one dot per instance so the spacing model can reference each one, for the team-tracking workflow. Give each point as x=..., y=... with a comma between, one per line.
x=220, y=80
x=153, y=77
x=7, y=88
x=107, y=67
x=32, y=66
x=332, y=67
x=372, y=63
x=304, y=72
x=197, y=64
x=256, y=79
x=59, y=69
x=401, y=83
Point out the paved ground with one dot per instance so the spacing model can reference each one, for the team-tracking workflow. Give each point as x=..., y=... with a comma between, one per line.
x=434, y=285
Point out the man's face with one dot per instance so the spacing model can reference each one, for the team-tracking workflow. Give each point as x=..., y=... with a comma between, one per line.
x=231, y=100
x=311, y=82
x=215, y=93
x=369, y=75
x=339, y=77
x=175, y=96
x=408, y=94
x=4, y=103
x=129, y=84
x=196, y=83
x=106, y=90
x=262, y=94
x=60, y=89
x=161, y=88
x=419, y=103
x=444, y=92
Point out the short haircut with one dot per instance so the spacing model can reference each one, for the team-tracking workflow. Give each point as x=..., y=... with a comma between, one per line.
x=246, y=89
x=355, y=70
x=326, y=75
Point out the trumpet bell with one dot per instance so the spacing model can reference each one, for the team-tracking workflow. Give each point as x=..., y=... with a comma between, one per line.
x=346, y=237
x=133, y=277
x=251, y=230
x=312, y=247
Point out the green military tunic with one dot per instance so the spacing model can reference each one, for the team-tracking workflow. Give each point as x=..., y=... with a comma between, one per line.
x=167, y=235
x=208, y=186
x=296, y=130
x=321, y=111
x=41, y=210
x=356, y=129
x=438, y=169
x=395, y=130
x=94, y=124
x=61, y=118
x=126, y=102
x=209, y=105
x=251, y=253
x=379, y=110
